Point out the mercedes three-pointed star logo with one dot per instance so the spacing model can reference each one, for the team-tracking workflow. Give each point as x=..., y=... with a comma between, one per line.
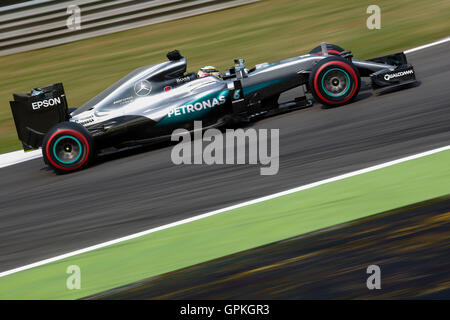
x=143, y=88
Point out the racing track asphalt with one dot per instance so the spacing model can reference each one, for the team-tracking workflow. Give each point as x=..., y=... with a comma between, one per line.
x=43, y=215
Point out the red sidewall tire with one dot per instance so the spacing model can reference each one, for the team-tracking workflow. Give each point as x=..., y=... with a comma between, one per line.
x=320, y=70
x=73, y=131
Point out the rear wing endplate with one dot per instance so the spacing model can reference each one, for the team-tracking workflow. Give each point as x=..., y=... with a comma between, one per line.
x=36, y=112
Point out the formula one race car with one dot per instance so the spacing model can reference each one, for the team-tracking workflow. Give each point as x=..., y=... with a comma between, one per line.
x=151, y=102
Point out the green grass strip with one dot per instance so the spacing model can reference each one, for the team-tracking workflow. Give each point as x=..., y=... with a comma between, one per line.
x=237, y=230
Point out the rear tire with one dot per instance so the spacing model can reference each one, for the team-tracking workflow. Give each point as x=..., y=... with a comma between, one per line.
x=68, y=146
x=334, y=81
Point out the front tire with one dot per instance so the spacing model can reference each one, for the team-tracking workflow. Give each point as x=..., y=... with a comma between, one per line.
x=68, y=146
x=334, y=81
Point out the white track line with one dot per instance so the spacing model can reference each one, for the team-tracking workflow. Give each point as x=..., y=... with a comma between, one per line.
x=20, y=156
x=9, y=159
x=212, y=213
x=428, y=45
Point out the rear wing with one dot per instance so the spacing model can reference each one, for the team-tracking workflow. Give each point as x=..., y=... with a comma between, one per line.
x=37, y=112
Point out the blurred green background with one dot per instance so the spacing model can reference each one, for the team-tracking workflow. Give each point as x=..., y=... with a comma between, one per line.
x=265, y=31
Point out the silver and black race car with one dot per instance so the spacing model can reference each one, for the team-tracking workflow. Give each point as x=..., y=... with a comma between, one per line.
x=151, y=102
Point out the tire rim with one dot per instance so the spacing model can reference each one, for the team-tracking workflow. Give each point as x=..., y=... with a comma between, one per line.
x=336, y=82
x=67, y=149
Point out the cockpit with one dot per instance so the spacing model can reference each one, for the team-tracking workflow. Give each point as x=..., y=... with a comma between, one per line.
x=143, y=82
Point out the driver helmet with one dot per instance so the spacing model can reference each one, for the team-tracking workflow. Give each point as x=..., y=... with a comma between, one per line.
x=208, y=71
